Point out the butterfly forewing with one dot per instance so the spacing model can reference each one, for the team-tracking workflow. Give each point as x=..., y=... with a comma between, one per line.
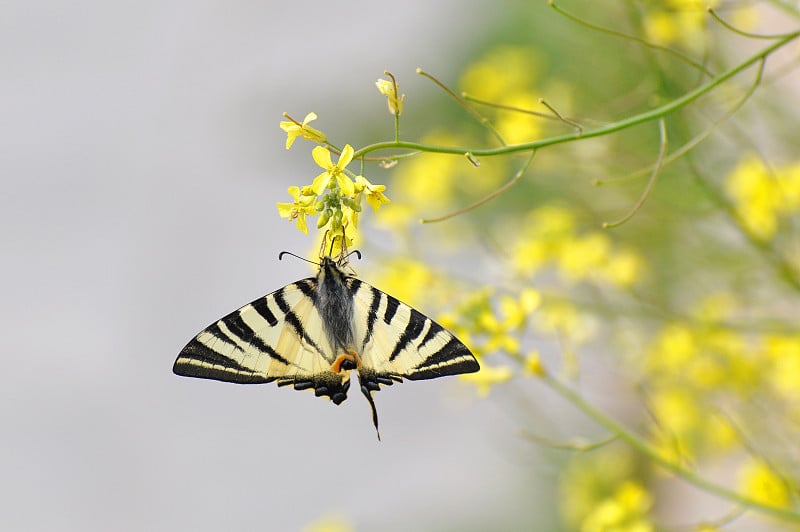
x=400, y=342
x=278, y=337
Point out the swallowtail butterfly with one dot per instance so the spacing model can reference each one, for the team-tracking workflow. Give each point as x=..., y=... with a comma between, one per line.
x=312, y=333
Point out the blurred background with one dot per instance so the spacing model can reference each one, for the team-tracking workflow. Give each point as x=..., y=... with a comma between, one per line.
x=141, y=161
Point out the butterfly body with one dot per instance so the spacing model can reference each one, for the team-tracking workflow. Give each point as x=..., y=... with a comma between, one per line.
x=312, y=333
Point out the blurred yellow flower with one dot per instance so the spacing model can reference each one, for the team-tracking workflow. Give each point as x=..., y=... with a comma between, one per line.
x=761, y=195
x=783, y=353
x=330, y=523
x=518, y=127
x=758, y=481
x=408, y=280
x=428, y=180
x=672, y=350
x=294, y=130
x=582, y=256
x=625, y=511
x=676, y=410
x=623, y=268
x=322, y=156
x=681, y=22
x=501, y=71
x=563, y=318
x=533, y=364
x=487, y=377
x=530, y=300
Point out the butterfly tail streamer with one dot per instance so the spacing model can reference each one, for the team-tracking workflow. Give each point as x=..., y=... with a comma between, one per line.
x=368, y=394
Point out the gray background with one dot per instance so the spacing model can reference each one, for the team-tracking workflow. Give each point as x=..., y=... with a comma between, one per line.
x=141, y=160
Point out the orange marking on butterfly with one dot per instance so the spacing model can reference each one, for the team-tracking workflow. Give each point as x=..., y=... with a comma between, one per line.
x=350, y=356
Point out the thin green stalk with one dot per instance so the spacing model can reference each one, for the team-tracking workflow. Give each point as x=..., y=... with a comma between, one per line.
x=648, y=450
x=648, y=116
x=662, y=149
x=675, y=53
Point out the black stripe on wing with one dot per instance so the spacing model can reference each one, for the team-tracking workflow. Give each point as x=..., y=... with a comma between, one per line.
x=237, y=326
x=453, y=358
x=372, y=314
x=199, y=360
x=292, y=319
x=414, y=327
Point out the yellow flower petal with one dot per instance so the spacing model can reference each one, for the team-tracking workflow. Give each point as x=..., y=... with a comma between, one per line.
x=345, y=157
x=309, y=117
x=322, y=156
x=345, y=184
x=301, y=223
x=285, y=209
x=320, y=183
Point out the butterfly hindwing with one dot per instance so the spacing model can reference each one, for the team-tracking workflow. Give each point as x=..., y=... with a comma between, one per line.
x=278, y=337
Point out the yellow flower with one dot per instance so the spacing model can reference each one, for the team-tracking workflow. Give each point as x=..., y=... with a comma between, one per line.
x=330, y=523
x=759, y=482
x=294, y=130
x=530, y=300
x=501, y=70
x=322, y=156
x=626, y=510
x=783, y=351
x=582, y=255
x=389, y=89
x=533, y=364
x=752, y=187
x=409, y=281
x=623, y=268
x=679, y=21
x=428, y=181
x=519, y=127
x=349, y=217
x=374, y=193
x=304, y=203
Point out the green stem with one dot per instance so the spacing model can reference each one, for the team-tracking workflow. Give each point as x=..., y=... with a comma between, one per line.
x=648, y=116
x=648, y=450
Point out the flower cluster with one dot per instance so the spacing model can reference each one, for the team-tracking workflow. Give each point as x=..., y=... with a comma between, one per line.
x=708, y=381
x=551, y=238
x=336, y=194
x=762, y=196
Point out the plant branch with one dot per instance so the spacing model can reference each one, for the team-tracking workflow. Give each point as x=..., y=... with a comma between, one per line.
x=648, y=450
x=647, y=116
x=493, y=194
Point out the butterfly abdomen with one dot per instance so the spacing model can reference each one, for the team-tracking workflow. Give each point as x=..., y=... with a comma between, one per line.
x=335, y=305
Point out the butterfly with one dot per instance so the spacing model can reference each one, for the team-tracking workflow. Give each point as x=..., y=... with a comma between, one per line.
x=312, y=333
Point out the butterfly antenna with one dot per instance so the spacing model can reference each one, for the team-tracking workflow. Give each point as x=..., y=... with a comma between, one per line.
x=282, y=253
x=355, y=252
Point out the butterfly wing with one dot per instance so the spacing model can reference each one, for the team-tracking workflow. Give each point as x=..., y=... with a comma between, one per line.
x=279, y=337
x=398, y=342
